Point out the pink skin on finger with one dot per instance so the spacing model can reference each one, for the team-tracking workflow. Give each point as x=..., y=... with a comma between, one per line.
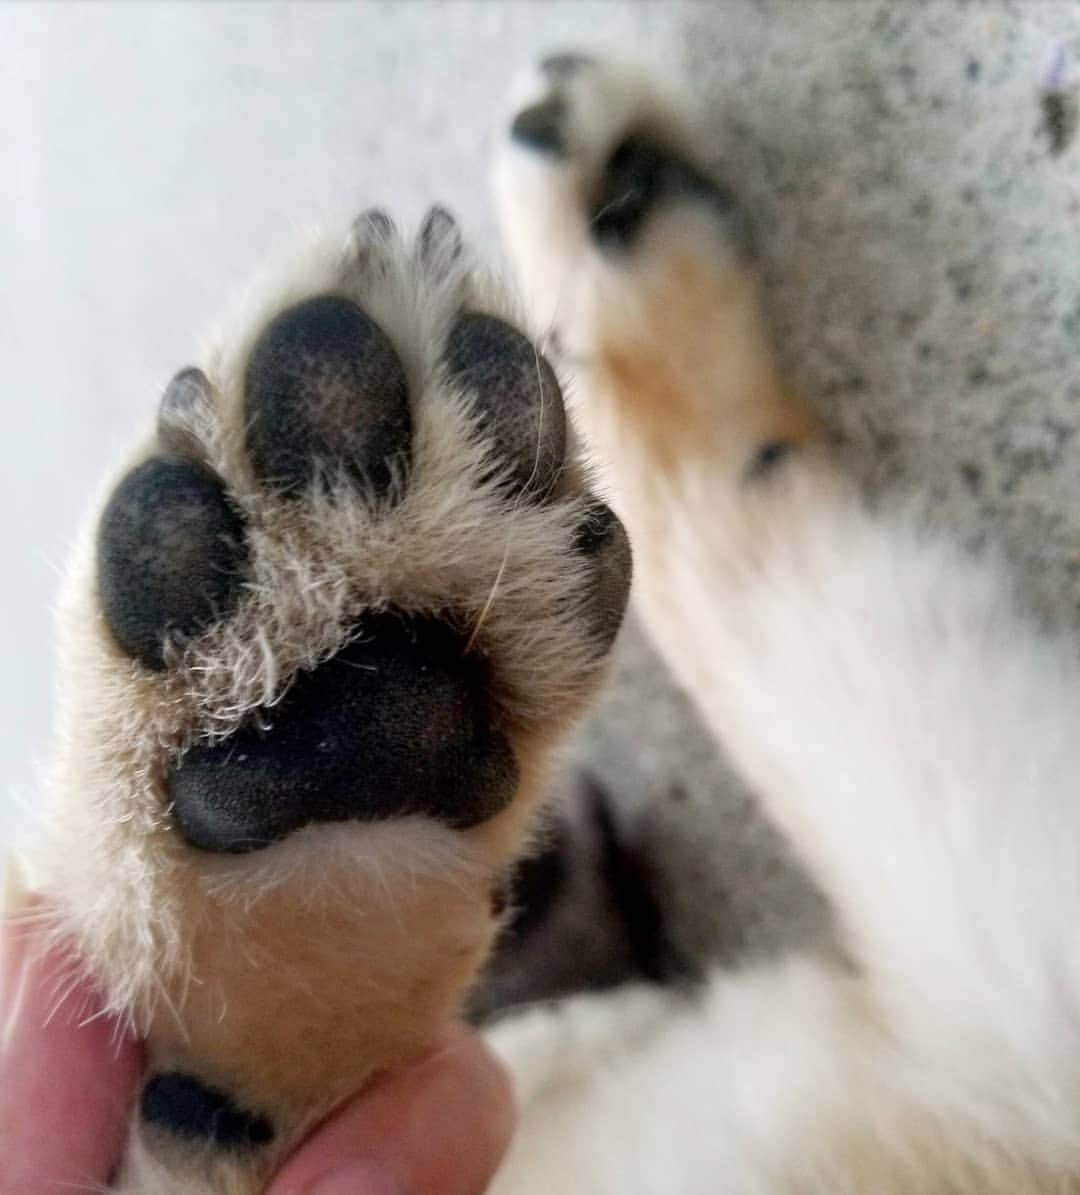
x=441, y=1124
x=67, y=1074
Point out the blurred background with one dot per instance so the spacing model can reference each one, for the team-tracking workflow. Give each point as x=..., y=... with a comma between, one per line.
x=911, y=170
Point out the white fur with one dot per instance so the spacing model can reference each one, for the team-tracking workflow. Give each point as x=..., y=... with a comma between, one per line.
x=907, y=727
x=918, y=742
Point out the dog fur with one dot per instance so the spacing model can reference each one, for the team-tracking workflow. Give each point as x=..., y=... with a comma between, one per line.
x=902, y=721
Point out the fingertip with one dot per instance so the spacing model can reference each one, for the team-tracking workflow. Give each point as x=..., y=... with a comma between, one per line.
x=441, y=1124
x=68, y=1072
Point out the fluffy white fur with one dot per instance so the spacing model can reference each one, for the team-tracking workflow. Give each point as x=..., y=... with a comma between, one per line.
x=917, y=741
x=905, y=725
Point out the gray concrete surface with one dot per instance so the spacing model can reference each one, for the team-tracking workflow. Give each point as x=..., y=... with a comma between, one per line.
x=921, y=238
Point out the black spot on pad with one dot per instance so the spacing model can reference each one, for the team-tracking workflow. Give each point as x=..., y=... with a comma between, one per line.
x=188, y=1108
x=396, y=723
x=325, y=389
x=768, y=459
x=642, y=175
x=170, y=556
x=516, y=395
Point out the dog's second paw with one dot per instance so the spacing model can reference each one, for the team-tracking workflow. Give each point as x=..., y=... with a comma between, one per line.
x=594, y=158
x=329, y=625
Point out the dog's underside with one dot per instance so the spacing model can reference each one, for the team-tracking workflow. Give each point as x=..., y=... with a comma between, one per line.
x=329, y=628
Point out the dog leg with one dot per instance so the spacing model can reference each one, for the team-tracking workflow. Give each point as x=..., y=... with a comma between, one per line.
x=903, y=724
x=317, y=648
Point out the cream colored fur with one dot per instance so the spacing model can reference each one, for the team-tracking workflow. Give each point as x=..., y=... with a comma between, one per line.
x=902, y=721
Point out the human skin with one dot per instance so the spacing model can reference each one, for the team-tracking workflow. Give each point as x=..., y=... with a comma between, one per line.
x=69, y=1076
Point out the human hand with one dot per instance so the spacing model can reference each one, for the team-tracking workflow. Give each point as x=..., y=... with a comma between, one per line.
x=69, y=1077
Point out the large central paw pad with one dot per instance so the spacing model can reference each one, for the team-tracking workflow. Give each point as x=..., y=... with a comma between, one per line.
x=401, y=554
x=395, y=723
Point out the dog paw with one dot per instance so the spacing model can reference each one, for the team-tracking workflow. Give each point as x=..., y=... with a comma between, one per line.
x=638, y=268
x=595, y=159
x=316, y=649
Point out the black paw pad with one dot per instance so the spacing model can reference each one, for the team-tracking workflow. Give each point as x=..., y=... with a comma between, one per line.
x=396, y=723
x=602, y=540
x=541, y=127
x=642, y=176
x=516, y=396
x=186, y=1107
x=324, y=389
x=170, y=556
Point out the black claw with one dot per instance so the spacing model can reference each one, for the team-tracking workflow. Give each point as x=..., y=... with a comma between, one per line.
x=188, y=1108
x=374, y=224
x=396, y=723
x=325, y=388
x=640, y=177
x=562, y=66
x=541, y=127
x=188, y=391
x=438, y=244
x=517, y=397
x=602, y=539
x=170, y=556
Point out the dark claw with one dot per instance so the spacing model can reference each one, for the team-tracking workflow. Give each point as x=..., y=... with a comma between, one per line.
x=541, y=126
x=170, y=556
x=184, y=396
x=438, y=244
x=374, y=224
x=562, y=66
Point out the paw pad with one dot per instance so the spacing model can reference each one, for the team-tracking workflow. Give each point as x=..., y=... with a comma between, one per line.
x=187, y=1108
x=326, y=390
x=400, y=720
x=171, y=556
x=516, y=396
x=602, y=540
x=395, y=723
